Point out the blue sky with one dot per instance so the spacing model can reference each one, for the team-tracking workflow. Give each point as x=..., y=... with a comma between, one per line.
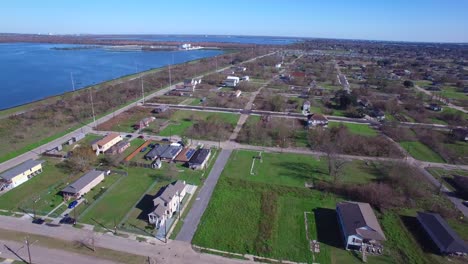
x=406, y=20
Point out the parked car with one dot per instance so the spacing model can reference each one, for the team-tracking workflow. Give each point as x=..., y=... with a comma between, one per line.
x=72, y=204
x=151, y=145
x=143, y=149
x=142, y=137
x=165, y=139
x=465, y=203
x=128, y=136
x=67, y=220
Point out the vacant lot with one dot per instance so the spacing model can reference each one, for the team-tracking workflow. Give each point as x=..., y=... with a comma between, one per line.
x=182, y=123
x=266, y=209
x=420, y=151
x=358, y=129
x=125, y=121
x=241, y=228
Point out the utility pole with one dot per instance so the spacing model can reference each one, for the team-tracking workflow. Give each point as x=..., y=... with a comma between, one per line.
x=142, y=89
x=73, y=82
x=92, y=106
x=28, y=244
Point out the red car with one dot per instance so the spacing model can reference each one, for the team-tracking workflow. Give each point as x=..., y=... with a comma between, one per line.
x=142, y=137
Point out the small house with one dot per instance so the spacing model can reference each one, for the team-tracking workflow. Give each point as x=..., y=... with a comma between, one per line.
x=160, y=109
x=443, y=236
x=185, y=155
x=118, y=148
x=377, y=114
x=171, y=152
x=317, y=120
x=278, y=66
x=144, y=122
x=168, y=203
x=156, y=152
x=245, y=78
x=359, y=225
x=231, y=81
x=21, y=173
x=83, y=185
x=106, y=143
x=199, y=159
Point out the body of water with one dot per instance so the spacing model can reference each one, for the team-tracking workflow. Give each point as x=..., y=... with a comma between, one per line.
x=211, y=38
x=33, y=71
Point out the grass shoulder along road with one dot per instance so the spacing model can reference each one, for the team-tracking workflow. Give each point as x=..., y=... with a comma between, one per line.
x=420, y=151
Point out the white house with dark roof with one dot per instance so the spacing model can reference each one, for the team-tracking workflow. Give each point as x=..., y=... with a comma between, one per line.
x=20, y=174
x=359, y=225
x=168, y=203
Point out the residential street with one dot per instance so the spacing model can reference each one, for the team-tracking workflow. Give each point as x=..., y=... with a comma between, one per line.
x=44, y=255
x=174, y=252
x=196, y=212
x=450, y=105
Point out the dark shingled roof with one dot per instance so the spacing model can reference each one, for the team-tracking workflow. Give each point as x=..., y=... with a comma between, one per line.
x=29, y=164
x=156, y=151
x=199, y=156
x=82, y=181
x=441, y=233
x=171, y=152
x=355, y=216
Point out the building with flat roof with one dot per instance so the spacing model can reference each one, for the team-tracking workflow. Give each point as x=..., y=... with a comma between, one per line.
x=20, y=174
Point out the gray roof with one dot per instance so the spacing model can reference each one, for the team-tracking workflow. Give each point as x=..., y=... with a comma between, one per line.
x=356, y=216
x=82, y=181
x=171, y=152
x=9, y=174
x=166, y=196
x=441, y=233
x=157, y=151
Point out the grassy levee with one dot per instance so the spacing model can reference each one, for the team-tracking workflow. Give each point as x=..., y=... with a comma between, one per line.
x=28, y=141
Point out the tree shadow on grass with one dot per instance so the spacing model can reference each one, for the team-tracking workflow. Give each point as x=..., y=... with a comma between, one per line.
x=300, y=170
x=414, y=227
x=328, y=228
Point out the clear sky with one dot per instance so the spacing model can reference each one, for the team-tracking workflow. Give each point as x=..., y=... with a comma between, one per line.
x=407, y=20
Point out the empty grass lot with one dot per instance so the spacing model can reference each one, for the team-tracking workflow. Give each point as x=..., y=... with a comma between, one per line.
x=420, y=151
x=359, y=129
x=236, y=228
x=182, y=120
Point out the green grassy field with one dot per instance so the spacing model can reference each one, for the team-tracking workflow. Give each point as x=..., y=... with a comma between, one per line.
x=39, y=187
x=120, y=199
x=451, y=92
x=181, y=121
x=420, y=151
x=236, y=228
x=359, y=129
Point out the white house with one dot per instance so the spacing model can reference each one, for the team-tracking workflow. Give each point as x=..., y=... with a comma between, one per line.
x=231, y=81
x=358, y=225
x=20, y=174
x=168, y=203
x=106, y=143
x=306, y=107
x=83, y=185
x=316, y=120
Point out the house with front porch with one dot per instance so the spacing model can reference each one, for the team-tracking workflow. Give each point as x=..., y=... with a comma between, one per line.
x=359, y=226
x=167, y=204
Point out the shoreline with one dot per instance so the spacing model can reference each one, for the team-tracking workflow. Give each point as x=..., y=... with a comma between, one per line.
x=4, y=111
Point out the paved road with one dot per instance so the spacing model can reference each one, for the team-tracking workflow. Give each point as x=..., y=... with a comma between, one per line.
x=174, y=252
x=193, y=217
x=44, y=255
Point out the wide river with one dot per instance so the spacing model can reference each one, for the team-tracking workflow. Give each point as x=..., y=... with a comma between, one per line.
x=33, y=71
